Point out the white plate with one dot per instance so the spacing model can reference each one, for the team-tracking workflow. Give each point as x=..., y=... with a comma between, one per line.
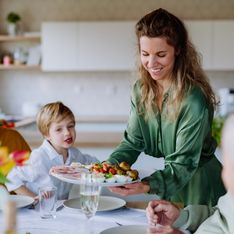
x=129, y=229
x=21, y=200
x=39, y=230
x=67, y=178
x=106, y=203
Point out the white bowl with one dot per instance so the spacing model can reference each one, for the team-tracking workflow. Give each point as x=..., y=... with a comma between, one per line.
x=110, y=180
x=121, y=178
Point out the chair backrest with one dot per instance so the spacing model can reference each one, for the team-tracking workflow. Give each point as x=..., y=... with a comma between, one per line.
x=13, y=140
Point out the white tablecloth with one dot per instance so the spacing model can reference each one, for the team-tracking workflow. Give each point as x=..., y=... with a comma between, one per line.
x=69, y=221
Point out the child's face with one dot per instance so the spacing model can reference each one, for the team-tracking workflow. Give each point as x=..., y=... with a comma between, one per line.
x=62, y=134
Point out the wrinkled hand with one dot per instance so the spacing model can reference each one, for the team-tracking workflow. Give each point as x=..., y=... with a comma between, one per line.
x=130, y=189
x=162, y=212
x=163, y=230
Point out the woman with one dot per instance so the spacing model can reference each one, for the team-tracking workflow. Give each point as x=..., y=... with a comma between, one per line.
x=171, y=114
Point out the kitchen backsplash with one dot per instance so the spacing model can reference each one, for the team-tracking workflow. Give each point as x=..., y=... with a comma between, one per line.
x=106, y=93
x=88, y=93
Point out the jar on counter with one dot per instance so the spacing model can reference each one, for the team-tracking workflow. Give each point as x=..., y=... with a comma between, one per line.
x=19, y=56
x=7, y=60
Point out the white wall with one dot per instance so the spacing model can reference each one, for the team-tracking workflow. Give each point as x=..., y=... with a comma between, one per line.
x=101, y=93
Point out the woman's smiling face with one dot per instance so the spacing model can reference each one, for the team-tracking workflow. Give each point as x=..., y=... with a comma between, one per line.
x=157, y=57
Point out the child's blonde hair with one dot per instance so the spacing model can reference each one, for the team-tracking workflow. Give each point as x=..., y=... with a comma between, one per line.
x=52, y=112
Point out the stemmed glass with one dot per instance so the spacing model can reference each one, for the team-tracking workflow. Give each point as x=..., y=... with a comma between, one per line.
x=89, y=194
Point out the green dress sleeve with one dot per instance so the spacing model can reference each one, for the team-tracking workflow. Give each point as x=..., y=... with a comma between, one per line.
x=191, y=129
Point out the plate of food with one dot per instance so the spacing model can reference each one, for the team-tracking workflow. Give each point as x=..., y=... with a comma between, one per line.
x=106, y=203
x=106, y=174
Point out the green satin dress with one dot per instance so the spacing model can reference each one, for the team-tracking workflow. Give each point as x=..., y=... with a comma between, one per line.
x=192, y=174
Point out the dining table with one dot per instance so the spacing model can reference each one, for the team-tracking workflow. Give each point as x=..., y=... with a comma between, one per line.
x=69, y=221
x=73, y=221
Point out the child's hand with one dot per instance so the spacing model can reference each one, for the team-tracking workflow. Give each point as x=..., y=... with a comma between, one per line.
x=62, y=170
x=36, y=201
x=47, y=194
x=53, y=170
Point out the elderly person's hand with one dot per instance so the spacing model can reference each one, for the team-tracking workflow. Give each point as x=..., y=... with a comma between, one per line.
x=163, y=230
x=162, y=212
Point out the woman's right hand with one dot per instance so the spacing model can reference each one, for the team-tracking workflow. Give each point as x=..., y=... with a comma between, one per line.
x=162, y=212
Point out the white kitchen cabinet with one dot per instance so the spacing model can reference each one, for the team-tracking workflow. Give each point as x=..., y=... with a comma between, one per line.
x=88, y=46
x=107, y=46
x=201, y=35
x=223, y=41
x=214, y=40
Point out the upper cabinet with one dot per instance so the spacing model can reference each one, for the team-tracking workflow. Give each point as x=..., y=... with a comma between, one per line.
x=214, y=40
x=88, y=46
x=201, y=35
x=223, y=43
x=105, y=45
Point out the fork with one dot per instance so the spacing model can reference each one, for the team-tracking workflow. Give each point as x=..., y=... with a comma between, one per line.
x=119, y=224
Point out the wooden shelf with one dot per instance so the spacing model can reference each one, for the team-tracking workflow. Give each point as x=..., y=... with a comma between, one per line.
x=28, y=37
x=7, y=38
x=19, y=67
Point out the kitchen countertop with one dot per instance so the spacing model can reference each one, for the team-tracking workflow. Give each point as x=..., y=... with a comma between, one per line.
x=81, y=119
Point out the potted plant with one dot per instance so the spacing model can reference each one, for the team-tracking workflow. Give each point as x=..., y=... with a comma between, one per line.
x=12, y=20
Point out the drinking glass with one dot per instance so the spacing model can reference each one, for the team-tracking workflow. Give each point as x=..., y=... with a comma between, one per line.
x=89, y=194
x=47, y=201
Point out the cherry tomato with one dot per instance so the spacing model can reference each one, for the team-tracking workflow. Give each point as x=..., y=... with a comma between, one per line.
x=96, y=170
x=101, y=170
x=105, y=167
x=112, y=171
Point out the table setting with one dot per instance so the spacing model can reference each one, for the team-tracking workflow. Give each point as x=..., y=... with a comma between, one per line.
x=88, y=213
x=72, y=220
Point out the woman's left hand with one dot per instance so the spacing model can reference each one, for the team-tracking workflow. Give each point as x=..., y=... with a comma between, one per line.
x=131, y=189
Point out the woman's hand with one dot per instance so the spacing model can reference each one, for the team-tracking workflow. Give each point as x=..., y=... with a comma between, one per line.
x=131, y=189
x=162, y=212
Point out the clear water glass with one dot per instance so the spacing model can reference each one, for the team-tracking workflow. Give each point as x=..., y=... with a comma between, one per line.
x=89, y=194
x=47, y=201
